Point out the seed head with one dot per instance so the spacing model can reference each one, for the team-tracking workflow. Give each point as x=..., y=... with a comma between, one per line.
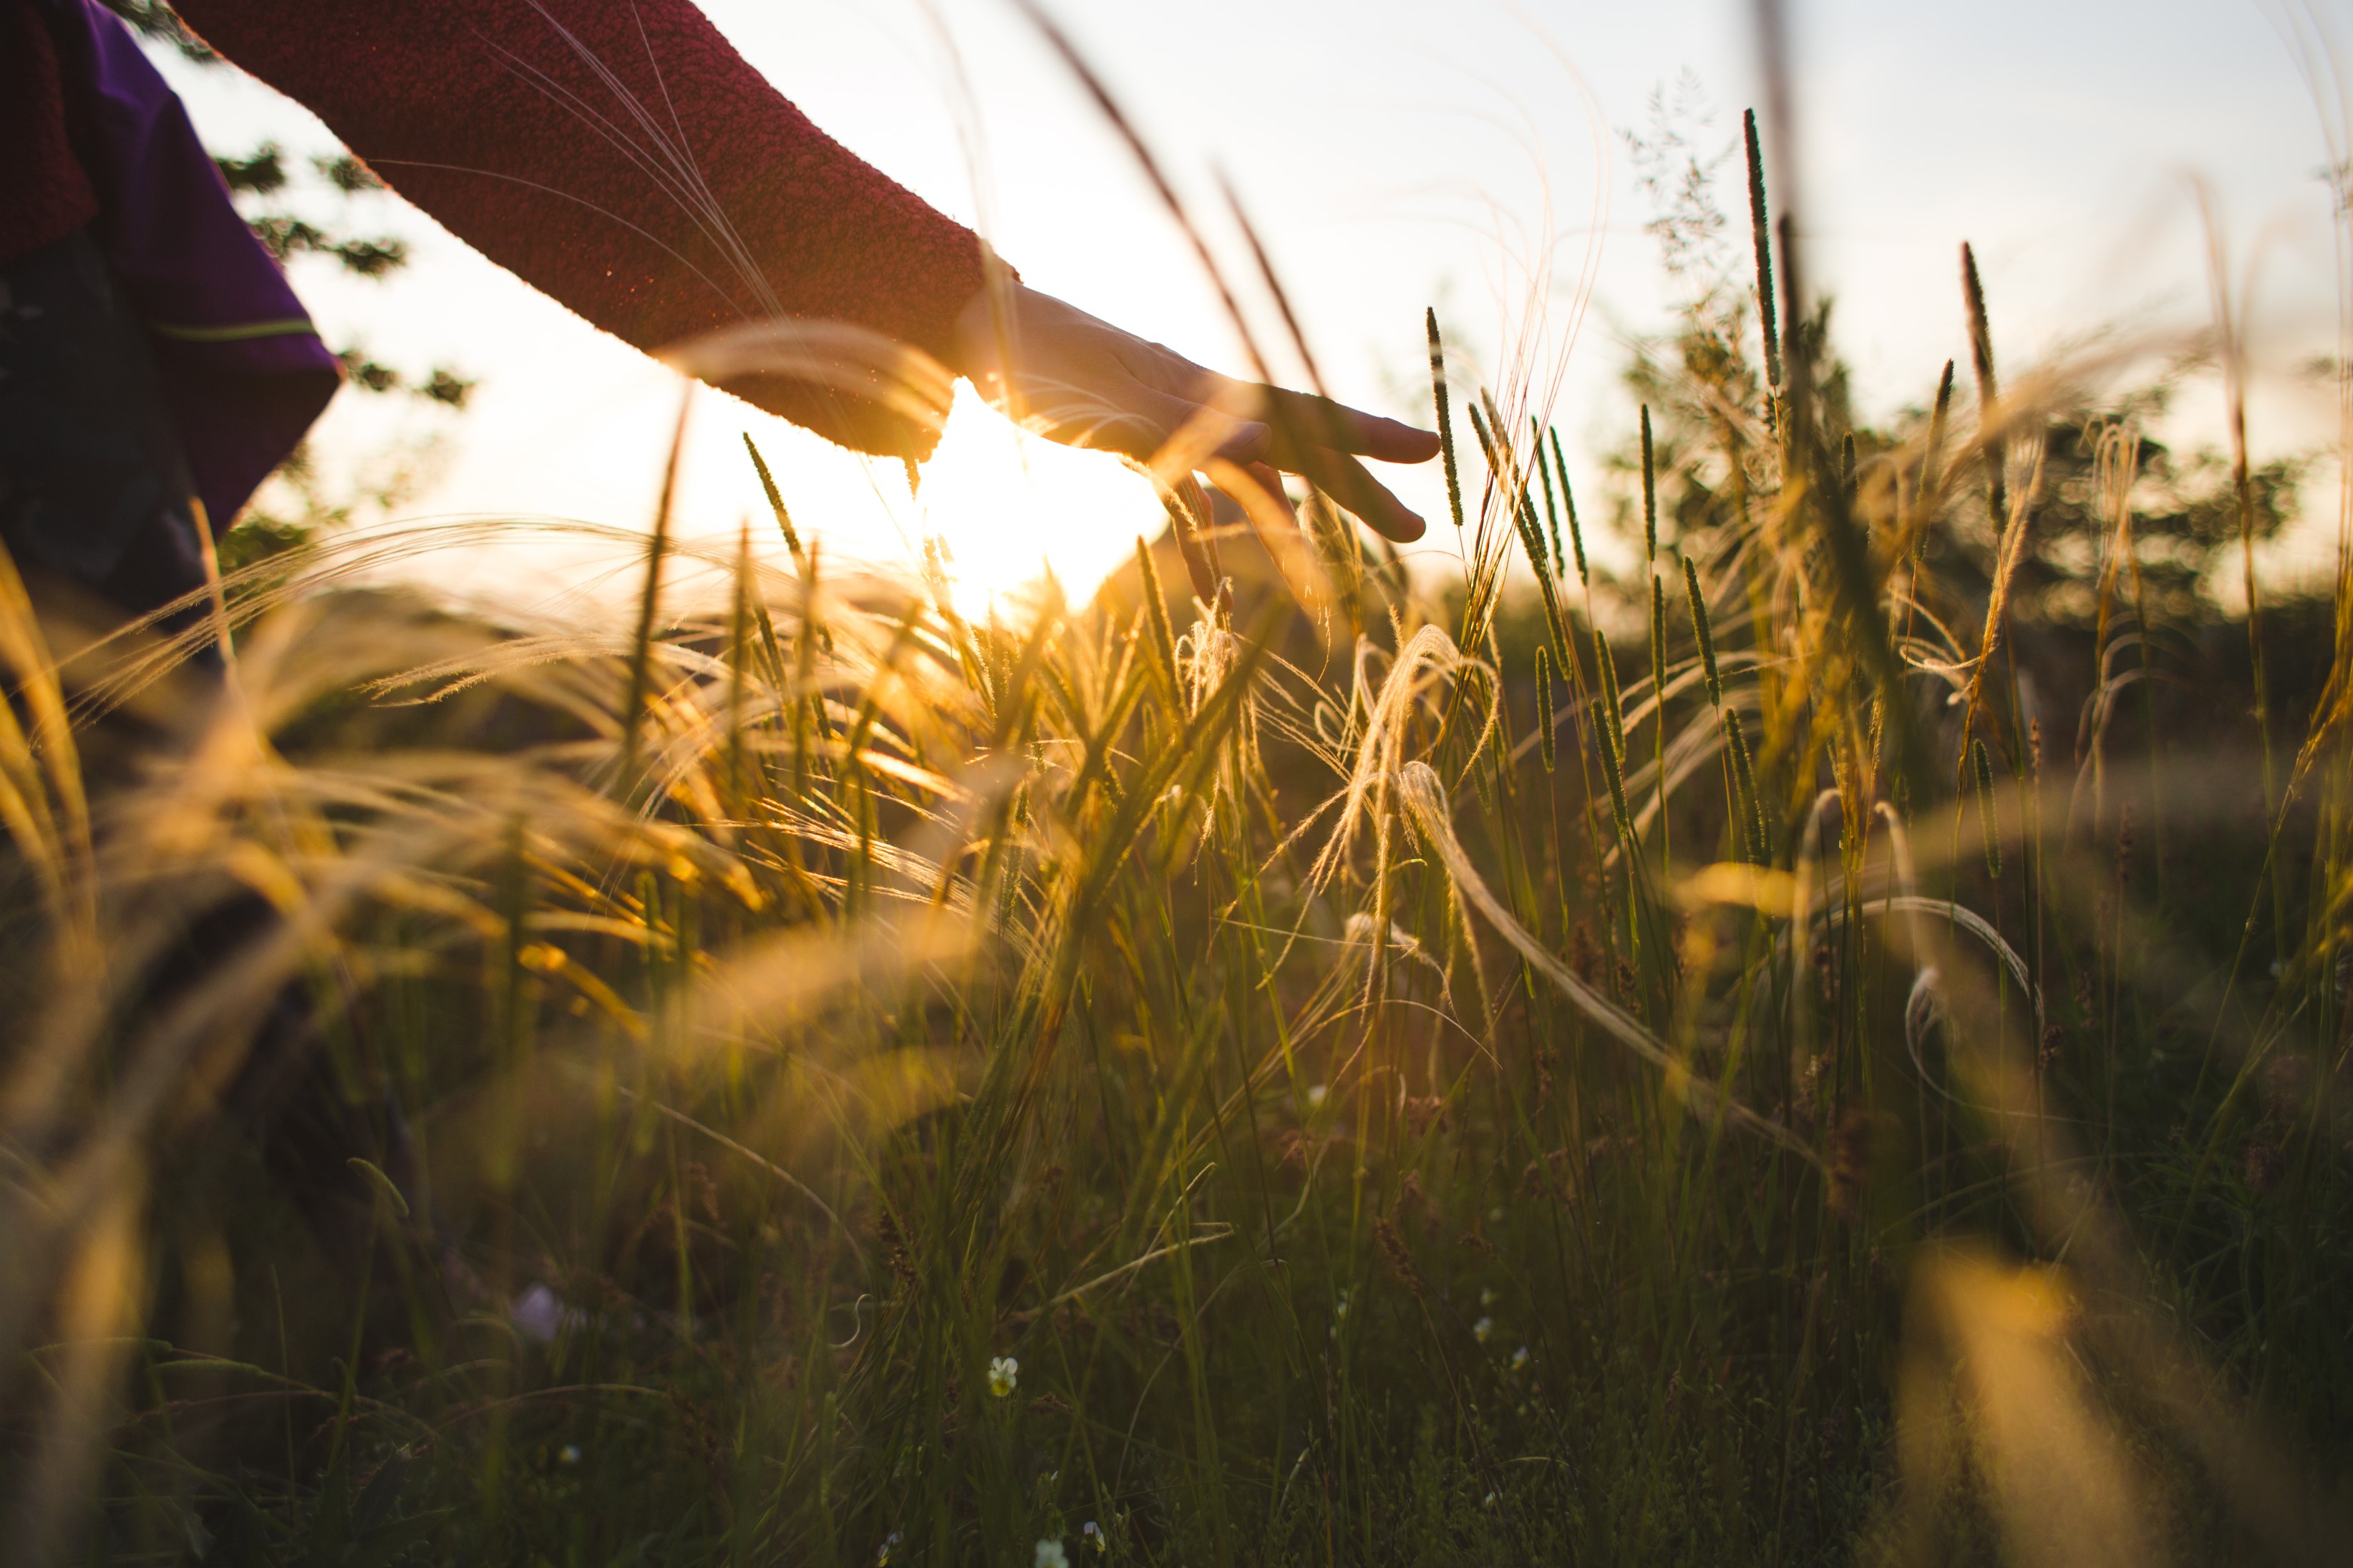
x=1743, y=786
x=1650, y=492
x=1700, y=630
x=1761, y=227
x=1544, y=704
x=1551, y=514
x=1569, y=505
x=1658, y=652
x=1610, y=709
x=1400, y=1258
x=1445, y=418
x=775, y=499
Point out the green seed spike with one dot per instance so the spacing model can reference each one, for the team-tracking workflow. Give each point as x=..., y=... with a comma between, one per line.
x=1744, y=785
x=1551, y=514
x=1523, y=518
x=1445, y=418
x=1611, y=711
x=1659, y=651
x=1762, y=228
x=1569, y=505
x=1609, y=770
x=1650, y=493
x=1700, y=630
x=1487, y=449
x=1531, y=536
x=1983, y=766
x=1543, y=703
x=776, y=500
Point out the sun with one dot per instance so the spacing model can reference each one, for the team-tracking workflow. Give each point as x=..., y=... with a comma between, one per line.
x=1011, y=507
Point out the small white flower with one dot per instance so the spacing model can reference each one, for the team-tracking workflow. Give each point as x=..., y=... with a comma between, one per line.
x=1050, y=1555
x=1488, y=1502
x=1520, y=1359
x=883, y=1552
x=1093, y=1536
x=1483, y=1330
x=1486, y=1298
x=568, y=1455
x=1003, y=1373
x=1340, y=1306
x=1315, y=1094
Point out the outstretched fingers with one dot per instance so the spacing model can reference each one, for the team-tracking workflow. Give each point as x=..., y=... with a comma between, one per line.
x=1341, y=476
x=1305, y=420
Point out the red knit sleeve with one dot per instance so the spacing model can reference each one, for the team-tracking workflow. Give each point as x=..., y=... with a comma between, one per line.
x=44, y=193
x=619, y=155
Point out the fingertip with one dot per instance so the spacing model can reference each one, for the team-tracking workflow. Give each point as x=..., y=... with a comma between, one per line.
x=1405, y=444
x=1405, y=527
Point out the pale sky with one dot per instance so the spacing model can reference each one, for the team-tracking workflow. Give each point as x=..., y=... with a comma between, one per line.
x=1394, y=154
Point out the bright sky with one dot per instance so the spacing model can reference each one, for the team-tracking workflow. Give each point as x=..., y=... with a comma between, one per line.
x=1394, y=153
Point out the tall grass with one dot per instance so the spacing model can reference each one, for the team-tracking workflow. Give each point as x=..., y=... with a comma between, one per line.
x=1196, y=1080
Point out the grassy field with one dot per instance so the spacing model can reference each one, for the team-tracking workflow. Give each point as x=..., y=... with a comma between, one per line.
x=1839, y=1062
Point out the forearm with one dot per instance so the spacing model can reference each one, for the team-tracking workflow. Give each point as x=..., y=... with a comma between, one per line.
x=623, y=158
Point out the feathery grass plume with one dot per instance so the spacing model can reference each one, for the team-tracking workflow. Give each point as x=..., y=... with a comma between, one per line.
x=1650, y=493
x=1339, y=552
x=1981, y=359
x=1761, y=230
x=775, y=498
x=1751, y=805
x=1445, y=417
x=1544, y=704
x=1982, y=765
x=1610, y=711
x=1568, y=507
x=1700, y=629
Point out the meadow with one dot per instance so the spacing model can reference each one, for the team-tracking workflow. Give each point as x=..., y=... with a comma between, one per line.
x=1821, y=1042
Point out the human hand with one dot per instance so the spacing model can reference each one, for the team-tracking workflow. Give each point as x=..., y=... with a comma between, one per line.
x=1080, y=381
